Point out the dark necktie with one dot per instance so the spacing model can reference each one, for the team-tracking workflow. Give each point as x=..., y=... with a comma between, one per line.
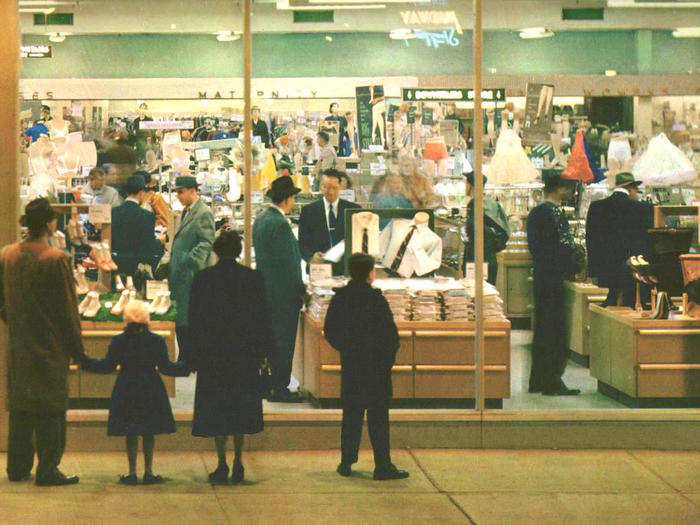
x=365, y=241
x=332, y=223
x=184, y=214
x=402, y=250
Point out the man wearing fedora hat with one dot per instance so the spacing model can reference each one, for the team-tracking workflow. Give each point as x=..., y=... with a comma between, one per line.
x=278, y=259
x=191, y=252
x=616, y=229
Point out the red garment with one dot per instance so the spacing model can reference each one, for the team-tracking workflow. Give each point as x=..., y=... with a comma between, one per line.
x=578, y=167
x=435, y=151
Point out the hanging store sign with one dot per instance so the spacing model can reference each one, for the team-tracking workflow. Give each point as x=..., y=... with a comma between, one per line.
x=451, y=95
x=538, y=113
x=371, y=114
x=166, y=124
x=35, y=51
x=431, y=18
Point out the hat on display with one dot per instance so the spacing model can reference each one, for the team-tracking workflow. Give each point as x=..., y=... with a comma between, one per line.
x=282, y=188
x=625, y=179
x=470, y=178
x=135, y=184
x=186, y=182
x=38, y=213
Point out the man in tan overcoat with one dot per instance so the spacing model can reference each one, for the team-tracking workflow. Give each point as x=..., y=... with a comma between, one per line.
x=39, y=305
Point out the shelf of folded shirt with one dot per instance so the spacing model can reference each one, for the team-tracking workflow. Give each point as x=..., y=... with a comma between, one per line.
x=642, y=361
x=97, y=333
x=577, y=298
x=434, y=362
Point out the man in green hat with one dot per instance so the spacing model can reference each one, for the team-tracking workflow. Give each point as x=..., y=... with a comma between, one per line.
x=278, y=259
x=190, y=253
x=616, y=229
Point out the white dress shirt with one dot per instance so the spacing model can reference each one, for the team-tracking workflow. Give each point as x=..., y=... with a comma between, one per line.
x=423, y=253
x=328, y=205
x=361, y=221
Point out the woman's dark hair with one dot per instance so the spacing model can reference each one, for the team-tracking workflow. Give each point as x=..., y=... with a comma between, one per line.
x=323, y=135
x=228, y=245
x=360, y=265
x=37, y=216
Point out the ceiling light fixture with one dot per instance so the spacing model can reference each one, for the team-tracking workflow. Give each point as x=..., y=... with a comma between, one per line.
x=227, y=36
x=329, y=38
x=44, y=3
x=647, y=4
x=610, y=73
x=57, y=37
x=347, y=2
x=44, y=10
x=283, y=5
x=687, y=32
x=402, y=33
x=535, y=32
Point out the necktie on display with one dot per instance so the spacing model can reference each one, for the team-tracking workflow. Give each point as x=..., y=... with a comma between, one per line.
x=365, y=241
x=402, y=250
x=332, y=223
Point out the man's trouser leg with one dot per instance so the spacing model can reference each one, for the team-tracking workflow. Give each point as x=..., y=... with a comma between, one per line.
x=20, y=446
x=50, y=442
x=351, y=433
x=378, y=424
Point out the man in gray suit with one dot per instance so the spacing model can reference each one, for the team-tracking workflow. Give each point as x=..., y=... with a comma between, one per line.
x=278, y=259
x=190, y=253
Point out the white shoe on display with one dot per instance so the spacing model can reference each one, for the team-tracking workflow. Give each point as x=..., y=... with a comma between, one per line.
x=164, y=305
x=82, y=286
x=130, y=283
x=94, y=305
x=107, y=253
x=118, y=283
x=84, y=304
x=155, y=304
x=132, y=295
x=118, y=308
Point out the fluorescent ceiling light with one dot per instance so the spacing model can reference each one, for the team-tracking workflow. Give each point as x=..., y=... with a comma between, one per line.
x=610, y=73
x=283, y=5
x=227, y=36
x=369, y=2
x=45, y=10
x=687, y=32
x=57, y=37
x=43, y=3
x=535, y=32
x=642, y=5
x=329, y=38
x=402, y=34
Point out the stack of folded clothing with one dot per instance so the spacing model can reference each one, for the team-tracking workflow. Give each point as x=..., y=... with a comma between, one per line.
x=457, y=305
x=493, y=304
x=321, y=295
x=426, y=305
x=397, y=295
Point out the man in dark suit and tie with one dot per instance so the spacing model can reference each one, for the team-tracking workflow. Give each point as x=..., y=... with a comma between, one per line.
x=322, y=223
x=616, y=229
x=133, y=230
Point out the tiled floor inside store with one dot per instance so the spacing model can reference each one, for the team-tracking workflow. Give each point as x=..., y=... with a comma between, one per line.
x=446, y=486
x=576, y=376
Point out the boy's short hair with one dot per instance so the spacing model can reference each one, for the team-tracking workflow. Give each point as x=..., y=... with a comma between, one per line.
x=136, y=312
x=360, y=265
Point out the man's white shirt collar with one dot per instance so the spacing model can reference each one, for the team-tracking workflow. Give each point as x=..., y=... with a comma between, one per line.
x=622, y=190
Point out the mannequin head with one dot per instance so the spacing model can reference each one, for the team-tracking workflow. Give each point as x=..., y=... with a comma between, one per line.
x=333, y=109
x=96, y=179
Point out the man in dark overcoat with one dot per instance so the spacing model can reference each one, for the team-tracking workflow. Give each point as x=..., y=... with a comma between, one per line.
x=39, y=305
x=360, y=325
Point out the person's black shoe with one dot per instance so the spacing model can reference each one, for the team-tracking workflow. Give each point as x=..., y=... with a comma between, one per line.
x=285, y=396
x=237, y=474
x=152, y=479
x=561, y=390
x=20, y=477
x=56, y=479
x=129, y=479
x=390, y=472
x=534, y=389
x=220, y=475
x=344, y=469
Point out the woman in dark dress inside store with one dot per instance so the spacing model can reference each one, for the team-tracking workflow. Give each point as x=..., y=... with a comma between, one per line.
x=230, y=322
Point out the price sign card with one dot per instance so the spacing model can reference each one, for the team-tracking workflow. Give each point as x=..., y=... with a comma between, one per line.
x=318, y=272
x=256, y=197
x=153, y=288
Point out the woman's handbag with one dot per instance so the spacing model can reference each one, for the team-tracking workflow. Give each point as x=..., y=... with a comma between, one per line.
x=264, y=379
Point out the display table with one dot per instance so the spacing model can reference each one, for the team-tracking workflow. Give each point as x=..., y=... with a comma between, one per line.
x=577, y=298
x=435, y=362
x=645, y=362
x=514, y=283
x=90, y=389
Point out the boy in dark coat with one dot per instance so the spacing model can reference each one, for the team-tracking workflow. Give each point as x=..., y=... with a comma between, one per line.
x=360, y=325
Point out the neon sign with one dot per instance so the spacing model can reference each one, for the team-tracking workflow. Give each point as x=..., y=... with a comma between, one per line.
x=436, y=39
x=432, y=18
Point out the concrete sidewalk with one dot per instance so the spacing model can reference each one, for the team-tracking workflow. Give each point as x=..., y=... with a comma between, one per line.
x=446, y=486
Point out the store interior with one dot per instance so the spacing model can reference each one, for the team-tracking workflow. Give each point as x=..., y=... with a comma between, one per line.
x=160, y=89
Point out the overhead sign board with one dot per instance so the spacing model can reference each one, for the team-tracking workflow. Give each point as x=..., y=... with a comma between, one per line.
x=35, y=51
x=451, y=95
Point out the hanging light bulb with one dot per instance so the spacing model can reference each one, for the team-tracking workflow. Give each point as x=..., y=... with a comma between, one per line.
x=57, y=37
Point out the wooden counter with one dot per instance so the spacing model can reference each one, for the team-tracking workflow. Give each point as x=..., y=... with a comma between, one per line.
x=644, y=361
x=577, y=298
x=435, y=361
x=84, y=385
x=514, y=283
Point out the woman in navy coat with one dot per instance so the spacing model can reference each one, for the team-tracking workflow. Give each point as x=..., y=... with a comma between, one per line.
x=230, y=323
x=140, y=404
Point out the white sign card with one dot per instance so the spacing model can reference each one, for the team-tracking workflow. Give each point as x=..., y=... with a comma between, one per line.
x=319, y=272
x=153, y=288
x=256, y=197
x=166, y=124
x=100, y=214
x=348, y=195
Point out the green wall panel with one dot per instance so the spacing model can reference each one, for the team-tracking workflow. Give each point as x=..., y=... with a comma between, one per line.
x=355, y=54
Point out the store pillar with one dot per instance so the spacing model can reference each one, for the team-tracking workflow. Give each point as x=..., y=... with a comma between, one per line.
x=9, y=152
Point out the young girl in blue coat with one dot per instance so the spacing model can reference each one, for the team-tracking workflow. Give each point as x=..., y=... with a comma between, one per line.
x=140, y=404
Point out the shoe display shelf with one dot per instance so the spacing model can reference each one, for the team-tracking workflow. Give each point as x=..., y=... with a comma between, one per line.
x=645, y=362
x=577, y=298
x=434, y=364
